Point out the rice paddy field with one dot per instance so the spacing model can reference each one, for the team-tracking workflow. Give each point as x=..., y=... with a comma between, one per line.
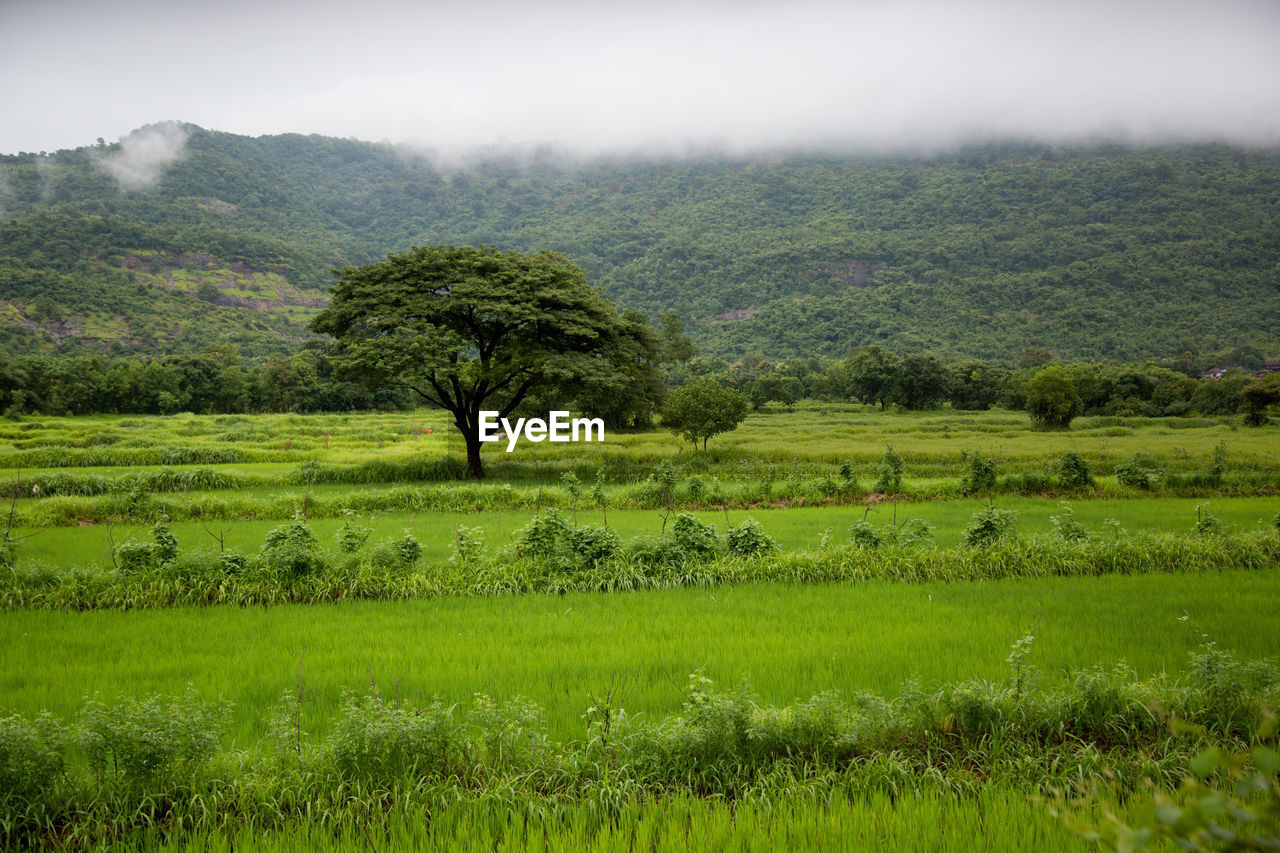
x=86, y=498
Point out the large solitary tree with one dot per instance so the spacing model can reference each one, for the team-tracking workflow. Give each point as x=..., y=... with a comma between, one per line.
x=470, y=329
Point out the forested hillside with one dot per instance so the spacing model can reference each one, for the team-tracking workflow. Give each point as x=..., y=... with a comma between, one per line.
x=1100, y=254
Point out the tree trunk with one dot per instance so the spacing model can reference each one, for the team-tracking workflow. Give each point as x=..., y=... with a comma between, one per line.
x=473, y=455
x=470, y=429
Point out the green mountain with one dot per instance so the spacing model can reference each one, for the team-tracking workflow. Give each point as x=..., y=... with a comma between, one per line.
x=1096, y=253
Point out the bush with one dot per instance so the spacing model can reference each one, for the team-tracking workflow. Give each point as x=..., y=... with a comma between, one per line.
x=150, y=742
x=541, y=537
x=694, y=538
x=749, y=540
x=351, y=537
x=889, y=472
x=32, y=762
x=468, y=545
x=1138, y=473
x=290, y=550
x=1074, y=472
x=979, y=472
x=990, y=527
x=1051, y=398
x=863, y=534
x=1207, y=524
x=1065, y=526
x=917, y=531
x=589, y=546
x=136, y=558
x=384, y=743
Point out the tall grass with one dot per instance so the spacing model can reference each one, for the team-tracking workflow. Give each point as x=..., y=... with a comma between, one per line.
x=153, y=762
x=208, y=578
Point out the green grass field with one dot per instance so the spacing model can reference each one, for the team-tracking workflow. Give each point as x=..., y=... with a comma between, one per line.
x=796, y=528
x=789, y=641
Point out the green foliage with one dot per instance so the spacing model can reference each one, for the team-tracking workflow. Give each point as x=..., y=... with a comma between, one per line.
x=987, y=248
x=471, y=329
x=703, y=408
x=1074, y=472
x=1052, y=398
x=542, y=536
x=1066, y=527
x=468, y=544
x=989, y=527
x=384, y=742
x=694, y=538
x=408, y=550
x=149, y=742
x=864, y=534
x=1139, y=473
x=291, y=551
x=748, y=539
x=33, y=756
x=979, y=473
x=889, y=472
x=351, y=537
x=589, y=545
x=1259, y=396
x=1207, y=524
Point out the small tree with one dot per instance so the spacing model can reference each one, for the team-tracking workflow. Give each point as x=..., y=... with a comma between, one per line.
x=1258, y=396
x=1052, y=399
x=704, y=408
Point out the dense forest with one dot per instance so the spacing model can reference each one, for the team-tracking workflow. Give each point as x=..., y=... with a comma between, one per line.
x=1094, y=254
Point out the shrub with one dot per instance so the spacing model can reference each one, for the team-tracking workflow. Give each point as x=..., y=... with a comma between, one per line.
x=1231, y=689
x=166, y=548
x=136, y=558
x=848, y=476
x=1138, y=473
x=290, y=550
x=351, y=537
x=979, y=472
x=1074, y=472
x=468, y=545
x=863, y=534
x=989, y=527
x=1065, y=526
x=694, y=538
x=542, y=536
x=917, y=531
x=380, y=742
x=590, y=545
x=1207, y=524
x=32, y=762
x=149, y=741
x=1213, y=477
x=748, y=539
x=1052, y=398
x=889, y=472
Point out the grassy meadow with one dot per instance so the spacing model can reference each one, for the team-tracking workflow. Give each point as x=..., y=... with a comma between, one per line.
x=85, y=496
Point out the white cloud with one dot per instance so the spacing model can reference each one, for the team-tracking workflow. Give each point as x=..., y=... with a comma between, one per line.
x=144, y=154
x=623, y=76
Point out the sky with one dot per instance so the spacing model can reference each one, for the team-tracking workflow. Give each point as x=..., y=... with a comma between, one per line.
x=631, y=77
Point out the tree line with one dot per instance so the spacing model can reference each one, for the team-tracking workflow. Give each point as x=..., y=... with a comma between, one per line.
x=219, y=381
x=215, y=381
x=917, y=381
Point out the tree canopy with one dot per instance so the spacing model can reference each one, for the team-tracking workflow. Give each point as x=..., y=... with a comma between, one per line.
x=469, y=328
x=704, y=408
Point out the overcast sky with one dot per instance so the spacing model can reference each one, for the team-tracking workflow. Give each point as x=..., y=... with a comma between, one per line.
x=625, y=76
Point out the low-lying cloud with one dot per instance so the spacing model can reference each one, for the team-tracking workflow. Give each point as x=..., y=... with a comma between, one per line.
x=625, y=77
x=144, y=155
